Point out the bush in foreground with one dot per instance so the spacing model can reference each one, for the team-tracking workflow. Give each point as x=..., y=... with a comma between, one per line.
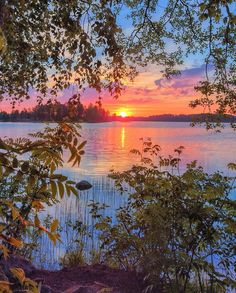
x=178, y=229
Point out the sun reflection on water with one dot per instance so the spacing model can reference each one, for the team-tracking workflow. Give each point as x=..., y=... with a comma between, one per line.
x=123, y=137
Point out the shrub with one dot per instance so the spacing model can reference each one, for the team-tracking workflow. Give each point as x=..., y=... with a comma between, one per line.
x=177, y=229
x=29, y=181
x=73, y=258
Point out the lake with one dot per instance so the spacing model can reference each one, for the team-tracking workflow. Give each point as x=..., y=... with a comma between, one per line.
x=108, y=146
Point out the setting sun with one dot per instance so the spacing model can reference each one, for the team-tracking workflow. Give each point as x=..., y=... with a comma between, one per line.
x=123, y=114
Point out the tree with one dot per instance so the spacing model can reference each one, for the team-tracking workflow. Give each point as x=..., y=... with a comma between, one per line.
x=47, y=45
x=75, y=108
x=95, y=113
x=205, y=27
x=54, y=111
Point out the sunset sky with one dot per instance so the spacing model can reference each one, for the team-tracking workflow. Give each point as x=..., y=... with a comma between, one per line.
x=149, y=94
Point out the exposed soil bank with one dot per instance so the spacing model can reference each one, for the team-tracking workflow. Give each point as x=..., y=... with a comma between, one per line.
x=95, y=278
x=85, y=279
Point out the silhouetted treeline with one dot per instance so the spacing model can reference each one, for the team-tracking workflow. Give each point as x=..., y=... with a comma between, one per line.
x=193, y=117
x=77, y=112
x=58, y=112
x=179, y=118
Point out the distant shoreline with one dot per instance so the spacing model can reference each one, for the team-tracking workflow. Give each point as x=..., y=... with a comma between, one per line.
x=94, y=113
x=127, y=120
x=19, y=117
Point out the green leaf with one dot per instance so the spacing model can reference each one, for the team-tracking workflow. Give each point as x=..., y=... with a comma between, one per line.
x=25, y=167
x=61, y=189
x=15, y=163
x=53, y=188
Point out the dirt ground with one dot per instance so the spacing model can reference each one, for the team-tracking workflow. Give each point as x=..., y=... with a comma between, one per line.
x=95, y=278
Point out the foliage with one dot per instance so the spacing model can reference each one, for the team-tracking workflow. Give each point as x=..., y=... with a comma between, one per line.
x=26, y=283
x=177, y=229
x=29, y=181
x=53, y=44
x=77, y=253
x=72, y=111
x=56, y=111
x=95, y=113
x=45, y=46
x=73, y=258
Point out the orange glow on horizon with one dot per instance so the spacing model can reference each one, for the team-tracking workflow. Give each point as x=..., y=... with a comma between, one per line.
x=121, y=112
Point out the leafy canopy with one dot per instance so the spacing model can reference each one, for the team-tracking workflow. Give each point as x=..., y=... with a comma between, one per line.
x=48, y=45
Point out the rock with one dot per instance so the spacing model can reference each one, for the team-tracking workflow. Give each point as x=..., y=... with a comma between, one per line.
x=83, y=185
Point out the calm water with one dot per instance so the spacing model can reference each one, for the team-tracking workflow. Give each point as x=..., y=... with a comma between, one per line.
x=108, y=148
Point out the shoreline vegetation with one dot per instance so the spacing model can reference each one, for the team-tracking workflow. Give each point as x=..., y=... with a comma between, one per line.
x=175, y=233
x=94, y=113
x=191, y=118
x=176, y=228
